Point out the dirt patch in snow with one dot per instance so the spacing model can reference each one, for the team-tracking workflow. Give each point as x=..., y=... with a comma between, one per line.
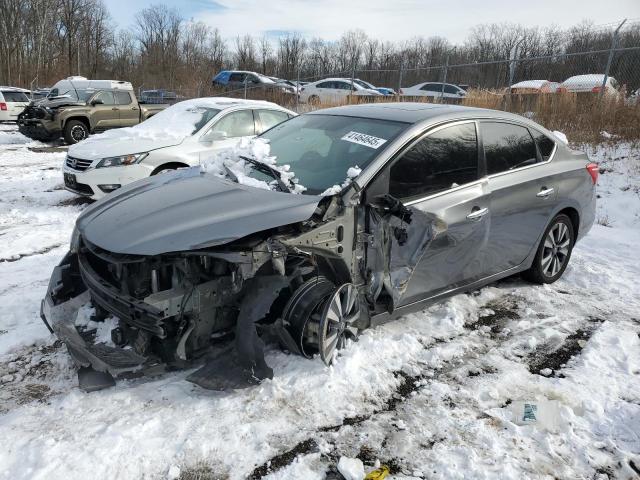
x=496, y=314
x=282, y=460
x=549, y=363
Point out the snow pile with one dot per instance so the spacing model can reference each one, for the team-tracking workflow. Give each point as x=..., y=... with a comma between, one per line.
x=256, y=149
x=352, y=173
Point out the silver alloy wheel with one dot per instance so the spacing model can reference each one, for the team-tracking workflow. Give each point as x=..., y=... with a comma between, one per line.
x=555, y=250
x=78, y=133
x=339, y=316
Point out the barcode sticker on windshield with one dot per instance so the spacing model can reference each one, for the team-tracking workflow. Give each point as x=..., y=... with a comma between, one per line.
x=362, y=139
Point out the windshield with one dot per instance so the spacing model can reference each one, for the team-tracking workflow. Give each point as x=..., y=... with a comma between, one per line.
x=364, y=84
x=78, y=94
x=182, y=119
x=320, y=149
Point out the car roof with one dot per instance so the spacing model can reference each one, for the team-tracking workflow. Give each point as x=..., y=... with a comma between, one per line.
x=415, y=112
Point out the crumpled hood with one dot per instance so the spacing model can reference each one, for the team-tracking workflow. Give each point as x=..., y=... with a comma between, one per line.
x=187, y=210
x=122, y=141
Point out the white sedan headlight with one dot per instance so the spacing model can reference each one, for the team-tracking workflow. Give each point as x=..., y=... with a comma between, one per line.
x=122, y=160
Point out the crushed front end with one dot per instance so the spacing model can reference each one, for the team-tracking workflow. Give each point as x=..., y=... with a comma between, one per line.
x=38, y=122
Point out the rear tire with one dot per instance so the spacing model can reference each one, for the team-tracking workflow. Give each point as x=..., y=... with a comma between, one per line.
x=553, y=253
x=75, y=131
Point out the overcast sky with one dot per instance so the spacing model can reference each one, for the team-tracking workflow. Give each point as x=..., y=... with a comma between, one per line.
x=383, y=19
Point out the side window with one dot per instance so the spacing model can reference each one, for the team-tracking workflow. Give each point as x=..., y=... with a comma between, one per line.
x=325, y=85
x=507, y=146
x=442, y=160
x=106, y=97
x=270, y=118
x=236, y=124
x=451, y=89
x=344, y=85
x=123, y=98
x=431, y=87
x=236, y=77
x=545, y=144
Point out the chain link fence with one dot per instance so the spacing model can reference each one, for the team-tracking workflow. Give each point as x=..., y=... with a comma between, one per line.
x=536, y=87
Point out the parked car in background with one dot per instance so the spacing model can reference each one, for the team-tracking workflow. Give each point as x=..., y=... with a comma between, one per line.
x=76, y=107
x=534, y=86
x=39, y=94
x=180, y=136
x=13, y=101
x=382, y=90
x=238, y=79
x=157, y=96
x=591, y=83
x=437, y=201
x=434, y=90
x=334, y=90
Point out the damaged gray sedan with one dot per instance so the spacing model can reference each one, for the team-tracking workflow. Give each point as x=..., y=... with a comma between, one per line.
x=339, y=220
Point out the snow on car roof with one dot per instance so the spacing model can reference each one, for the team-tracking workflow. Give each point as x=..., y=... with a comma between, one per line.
x=530, y=84
x=592, y=78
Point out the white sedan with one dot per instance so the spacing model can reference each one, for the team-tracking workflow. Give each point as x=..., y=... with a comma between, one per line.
x=434, y=90
x=181, y=136
x=334, y=90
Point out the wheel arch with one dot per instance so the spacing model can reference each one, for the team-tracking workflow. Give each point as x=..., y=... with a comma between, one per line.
x=574, y=216
x=80, y=118
x=169, y=165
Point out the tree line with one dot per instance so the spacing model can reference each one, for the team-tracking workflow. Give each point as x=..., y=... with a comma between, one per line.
x=42, y=41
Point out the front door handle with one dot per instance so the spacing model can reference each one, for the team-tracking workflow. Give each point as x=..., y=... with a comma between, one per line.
x=477, y=213
x=545, y=192
x=114, y=108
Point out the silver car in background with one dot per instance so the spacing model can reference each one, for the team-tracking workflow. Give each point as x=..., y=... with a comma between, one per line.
x=437, y=200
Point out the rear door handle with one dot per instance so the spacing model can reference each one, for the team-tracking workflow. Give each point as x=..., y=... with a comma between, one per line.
x=477, y=213
x=114, y=108
x=545, y=192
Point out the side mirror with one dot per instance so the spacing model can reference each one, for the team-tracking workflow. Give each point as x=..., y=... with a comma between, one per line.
x=97, y=101
x=214, y=136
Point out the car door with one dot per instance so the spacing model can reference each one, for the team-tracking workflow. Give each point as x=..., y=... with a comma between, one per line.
x=440, y=175
x=129, y=111
x=226, y=131
x=106, y=114
x=523, y=194
x=324, y=91
x=343, y=91
x=431, y=90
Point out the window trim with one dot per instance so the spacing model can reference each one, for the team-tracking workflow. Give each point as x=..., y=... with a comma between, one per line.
x=398, y=155
x=525, y=167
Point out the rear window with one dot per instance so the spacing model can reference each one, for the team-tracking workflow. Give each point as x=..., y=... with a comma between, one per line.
x=122, y=98
x=10, y=96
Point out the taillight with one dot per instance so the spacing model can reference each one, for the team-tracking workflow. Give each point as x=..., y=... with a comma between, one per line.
x=593, y=170
x=3, y=106
x=561, y=90
x=596, y=89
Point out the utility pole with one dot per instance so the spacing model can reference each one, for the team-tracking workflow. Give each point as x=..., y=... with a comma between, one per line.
x=513, y=60
x=444, y=78
x=614, y=44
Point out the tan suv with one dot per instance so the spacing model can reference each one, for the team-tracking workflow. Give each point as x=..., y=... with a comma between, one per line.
x=77, y=107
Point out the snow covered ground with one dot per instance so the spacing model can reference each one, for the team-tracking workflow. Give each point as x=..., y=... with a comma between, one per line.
x=438, y=394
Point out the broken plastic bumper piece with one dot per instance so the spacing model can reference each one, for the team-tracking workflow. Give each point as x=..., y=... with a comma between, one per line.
x=97, y=363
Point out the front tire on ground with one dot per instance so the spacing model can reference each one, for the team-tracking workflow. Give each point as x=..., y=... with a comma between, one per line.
x=554, y=251
x=75, y=131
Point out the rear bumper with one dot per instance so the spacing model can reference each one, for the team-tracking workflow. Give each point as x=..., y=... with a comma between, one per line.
x=68, y=292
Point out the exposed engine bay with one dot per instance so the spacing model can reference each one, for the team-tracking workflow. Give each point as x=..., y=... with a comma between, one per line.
x=308, y=286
